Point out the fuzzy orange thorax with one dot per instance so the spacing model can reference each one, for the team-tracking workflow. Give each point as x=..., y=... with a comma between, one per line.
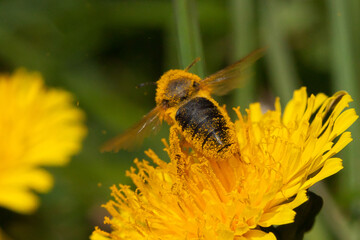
x=166, y=78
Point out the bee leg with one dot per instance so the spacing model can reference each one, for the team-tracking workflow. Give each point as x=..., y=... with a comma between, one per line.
x=175, y=133
x=237, y=155
x=176, y=140
x=178, y=156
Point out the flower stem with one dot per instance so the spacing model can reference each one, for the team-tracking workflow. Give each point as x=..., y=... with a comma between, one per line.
x=344, y=75
x=338, y=224
x=281, y=64
x=189, y=41
x=242, y=15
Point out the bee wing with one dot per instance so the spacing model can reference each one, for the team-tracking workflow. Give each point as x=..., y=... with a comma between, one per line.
x=232, y=76
x=134, y=136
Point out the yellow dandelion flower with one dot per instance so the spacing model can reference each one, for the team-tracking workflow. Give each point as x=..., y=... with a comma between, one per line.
x=193, y=197
x=38, y=127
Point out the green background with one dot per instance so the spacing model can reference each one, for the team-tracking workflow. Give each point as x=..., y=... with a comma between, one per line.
x=100, y=50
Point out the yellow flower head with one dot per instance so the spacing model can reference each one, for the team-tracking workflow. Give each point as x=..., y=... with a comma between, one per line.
x=38, y=127
x=192, y=197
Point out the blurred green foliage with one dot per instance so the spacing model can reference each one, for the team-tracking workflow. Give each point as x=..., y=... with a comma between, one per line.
x=100, y=50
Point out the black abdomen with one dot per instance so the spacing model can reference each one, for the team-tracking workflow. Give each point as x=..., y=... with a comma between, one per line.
x=204, y=125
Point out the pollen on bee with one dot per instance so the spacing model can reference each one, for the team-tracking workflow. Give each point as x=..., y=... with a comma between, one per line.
x=163, y=82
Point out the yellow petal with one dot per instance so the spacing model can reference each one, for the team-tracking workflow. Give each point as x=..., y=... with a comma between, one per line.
x=343, y=122
x=277, y=216
x=99, y=235
x=331, y=166
x=18, y=200
x=37, y=179
x=295, y=108
x=259, y=235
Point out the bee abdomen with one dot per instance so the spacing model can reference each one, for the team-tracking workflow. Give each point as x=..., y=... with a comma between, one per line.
x=216, y=134
x=203, y=124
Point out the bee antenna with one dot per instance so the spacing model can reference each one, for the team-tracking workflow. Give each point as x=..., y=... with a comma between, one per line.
x=192, y=64
x=145, y=84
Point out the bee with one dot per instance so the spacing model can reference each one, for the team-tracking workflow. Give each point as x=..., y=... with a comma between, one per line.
x=184, y=101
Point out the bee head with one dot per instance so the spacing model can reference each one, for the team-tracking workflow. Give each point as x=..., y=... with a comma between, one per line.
x=176, y=86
